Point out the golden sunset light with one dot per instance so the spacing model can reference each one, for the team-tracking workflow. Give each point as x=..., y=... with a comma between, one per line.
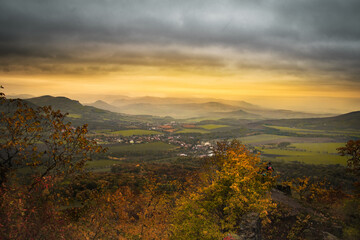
x=225, y=49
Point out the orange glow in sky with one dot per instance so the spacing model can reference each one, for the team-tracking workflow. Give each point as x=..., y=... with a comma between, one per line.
x=287, y=54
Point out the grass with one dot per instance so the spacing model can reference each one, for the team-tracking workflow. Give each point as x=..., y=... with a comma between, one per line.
x=318, y=159
x=73, y=115
x=319, y=147
x=212, y=126
x=192, y=120
x=310, y=156
x=192, y=130
x=101, y=163
x=144, y=147
x=297, y=130
x=316, y=132
x=102, y=130
x=285, y=152
x=308, y=152
x=260, y=138
x=133, y=132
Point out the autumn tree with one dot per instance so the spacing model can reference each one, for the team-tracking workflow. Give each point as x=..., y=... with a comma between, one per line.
x=233, y=185
x=352, y=149
x=284, y=144
x=37, y=150
x=127, y=214
x=352, y=206
x=40, y=140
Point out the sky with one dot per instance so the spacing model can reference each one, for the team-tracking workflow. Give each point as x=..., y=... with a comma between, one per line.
x=298, y=54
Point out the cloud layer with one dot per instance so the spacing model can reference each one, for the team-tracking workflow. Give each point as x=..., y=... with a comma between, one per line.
x=315, y=40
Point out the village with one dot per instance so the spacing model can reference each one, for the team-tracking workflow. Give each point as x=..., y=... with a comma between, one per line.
x=186, y=144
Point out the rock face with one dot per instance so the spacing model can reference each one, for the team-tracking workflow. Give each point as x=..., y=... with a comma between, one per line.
x=250, y=227
x=329, y=236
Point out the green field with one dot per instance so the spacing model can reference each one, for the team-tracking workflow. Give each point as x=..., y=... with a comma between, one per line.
x=192, y=130
x=144, y=147
x=297, y=130
x=193, y=120
x=311, y=153
x=260, y=138
x=102, y=130
x=133, y=132
x=319, y=147
x=73, y=115
x=212, y=126
x=315, y=132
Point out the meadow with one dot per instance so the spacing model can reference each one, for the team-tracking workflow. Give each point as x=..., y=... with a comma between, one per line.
x=296, y=130
x=319, y=147
x=262, y=139
x=132, y=132
x=73, y=115
x=144, y=147
x=315, y=132
x=310, y=150
x=199, y=119
x=212, y=126
x=310, y=153
x=192, y=130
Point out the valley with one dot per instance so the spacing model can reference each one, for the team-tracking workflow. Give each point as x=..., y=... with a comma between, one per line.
x=155, y=139
x=173, y=153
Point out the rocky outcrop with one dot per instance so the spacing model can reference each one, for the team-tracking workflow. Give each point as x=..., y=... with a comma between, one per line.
x=250, y=228
x=329, y=236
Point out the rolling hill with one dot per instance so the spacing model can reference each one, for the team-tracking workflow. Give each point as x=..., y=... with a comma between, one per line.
x=239, y=114
x=96, y=118
x=349, y=121
x=100, y=118
x=103, y=105
x=62, y=103
x=184, y=110
x=199, y=107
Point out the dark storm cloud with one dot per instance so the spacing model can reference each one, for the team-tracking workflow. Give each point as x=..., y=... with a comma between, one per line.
x=308, y=35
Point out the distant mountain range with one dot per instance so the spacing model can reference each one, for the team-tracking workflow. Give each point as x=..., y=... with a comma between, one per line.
x=104, y=105
x=20, y=96
x=101, y=114
x=197, y=107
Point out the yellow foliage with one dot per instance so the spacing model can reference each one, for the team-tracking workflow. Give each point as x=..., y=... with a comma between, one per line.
x=126, y=215
x=234, y=184
x=39, y=138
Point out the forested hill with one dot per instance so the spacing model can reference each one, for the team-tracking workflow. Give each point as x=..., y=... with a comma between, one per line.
x=349, y=121
x=62, y=103
x=79, y=114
